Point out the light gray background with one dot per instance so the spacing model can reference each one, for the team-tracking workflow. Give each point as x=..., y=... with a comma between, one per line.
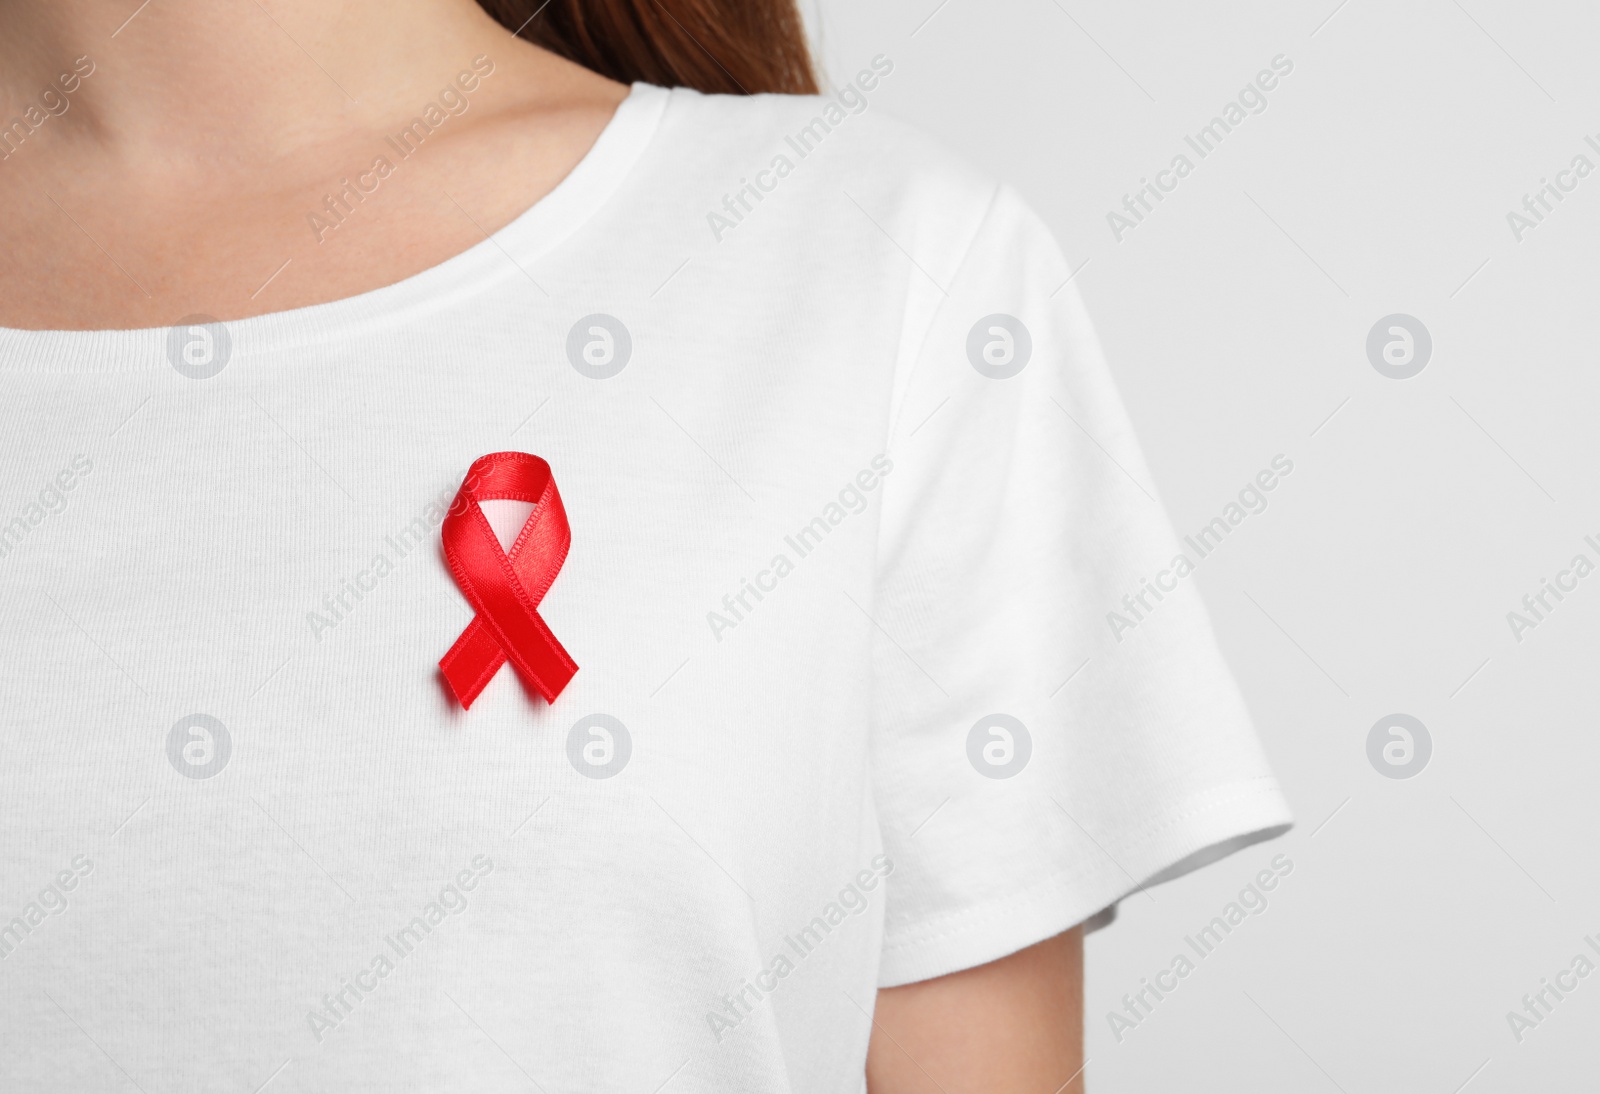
x=1377, y=181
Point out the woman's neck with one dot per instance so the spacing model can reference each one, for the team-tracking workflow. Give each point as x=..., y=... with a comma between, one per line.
x=176, y=81
x=180, y=158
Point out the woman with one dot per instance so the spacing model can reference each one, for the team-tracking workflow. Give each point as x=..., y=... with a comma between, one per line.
x=852, y=668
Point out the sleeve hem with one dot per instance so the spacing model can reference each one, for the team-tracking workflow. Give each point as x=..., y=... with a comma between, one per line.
x=1184, y=839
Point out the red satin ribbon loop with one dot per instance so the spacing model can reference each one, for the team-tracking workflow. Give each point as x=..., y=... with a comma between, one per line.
x=505, y=588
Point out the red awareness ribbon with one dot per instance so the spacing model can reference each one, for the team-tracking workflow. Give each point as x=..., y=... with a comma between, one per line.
x=505, y=588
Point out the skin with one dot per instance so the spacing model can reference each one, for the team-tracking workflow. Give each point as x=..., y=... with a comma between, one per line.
x=179, y=181
x=1012, y=1026
x=181, y=177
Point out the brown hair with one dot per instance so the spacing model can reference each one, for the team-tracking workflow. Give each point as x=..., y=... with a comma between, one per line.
x=730, y=46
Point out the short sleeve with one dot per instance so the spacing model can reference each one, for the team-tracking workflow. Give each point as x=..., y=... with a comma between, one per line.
x=1054, y=725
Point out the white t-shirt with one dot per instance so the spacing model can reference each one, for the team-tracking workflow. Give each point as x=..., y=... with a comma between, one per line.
x=885, y=669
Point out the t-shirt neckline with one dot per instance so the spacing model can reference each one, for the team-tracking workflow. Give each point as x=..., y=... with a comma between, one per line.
x=534, y=232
